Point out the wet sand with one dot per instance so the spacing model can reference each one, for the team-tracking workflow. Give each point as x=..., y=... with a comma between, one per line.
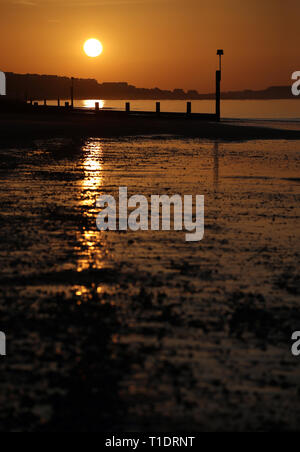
x=144, y=331
x=117, y=124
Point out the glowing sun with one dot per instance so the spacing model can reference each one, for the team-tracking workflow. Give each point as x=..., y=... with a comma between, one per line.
x=93, y=48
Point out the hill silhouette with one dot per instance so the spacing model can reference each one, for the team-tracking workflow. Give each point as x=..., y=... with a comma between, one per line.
x=35, y=86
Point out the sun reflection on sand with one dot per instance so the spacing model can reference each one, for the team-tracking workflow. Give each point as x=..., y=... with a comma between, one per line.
x=93, y=171
x=93, y=250
x=92, y=244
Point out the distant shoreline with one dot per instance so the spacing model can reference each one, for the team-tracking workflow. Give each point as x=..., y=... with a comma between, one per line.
x=157, y=99
x=36, y=86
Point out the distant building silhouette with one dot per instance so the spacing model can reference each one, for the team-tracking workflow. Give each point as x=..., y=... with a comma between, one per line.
x=40, y=87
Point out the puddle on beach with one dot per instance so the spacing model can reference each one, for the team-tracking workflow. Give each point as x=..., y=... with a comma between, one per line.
x=142, y=331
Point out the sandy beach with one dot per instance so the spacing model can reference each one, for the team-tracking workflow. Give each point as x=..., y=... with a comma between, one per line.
x=144, y=331
x=20, y=126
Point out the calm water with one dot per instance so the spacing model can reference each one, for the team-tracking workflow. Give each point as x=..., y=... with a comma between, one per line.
x=144, y=331
x=247, y=109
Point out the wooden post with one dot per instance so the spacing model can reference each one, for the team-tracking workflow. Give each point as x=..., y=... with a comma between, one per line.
x=158, y=108
x=45, y=102
x=58, y=102
x=127, y=107
x=189, y=108
x=218, y=95
x=97, y=106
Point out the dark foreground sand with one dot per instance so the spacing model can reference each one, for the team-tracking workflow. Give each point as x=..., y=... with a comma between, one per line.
x=144, y=331
x=113, y=124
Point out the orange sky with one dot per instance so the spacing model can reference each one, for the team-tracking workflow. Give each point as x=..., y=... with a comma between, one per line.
x=149, y=43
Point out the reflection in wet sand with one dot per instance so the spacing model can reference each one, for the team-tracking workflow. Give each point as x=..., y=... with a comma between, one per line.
x=92, y=166
x=216, y=166
x=92, y=245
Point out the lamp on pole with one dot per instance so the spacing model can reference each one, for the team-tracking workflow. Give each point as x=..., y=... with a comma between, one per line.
x=220, y=52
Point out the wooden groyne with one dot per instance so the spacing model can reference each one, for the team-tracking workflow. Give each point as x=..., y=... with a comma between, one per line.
x=67, y=109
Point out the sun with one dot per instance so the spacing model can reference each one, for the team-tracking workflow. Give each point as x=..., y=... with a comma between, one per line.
x=93, y=48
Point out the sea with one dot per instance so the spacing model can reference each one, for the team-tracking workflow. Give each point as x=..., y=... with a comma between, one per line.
x=287, y=110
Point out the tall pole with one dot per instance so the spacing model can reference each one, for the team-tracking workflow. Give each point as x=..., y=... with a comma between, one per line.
x=72, y=93
x=218, y=95
x=220, y=53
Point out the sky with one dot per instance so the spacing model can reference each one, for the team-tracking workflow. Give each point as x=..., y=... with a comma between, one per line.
x=154, y=43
